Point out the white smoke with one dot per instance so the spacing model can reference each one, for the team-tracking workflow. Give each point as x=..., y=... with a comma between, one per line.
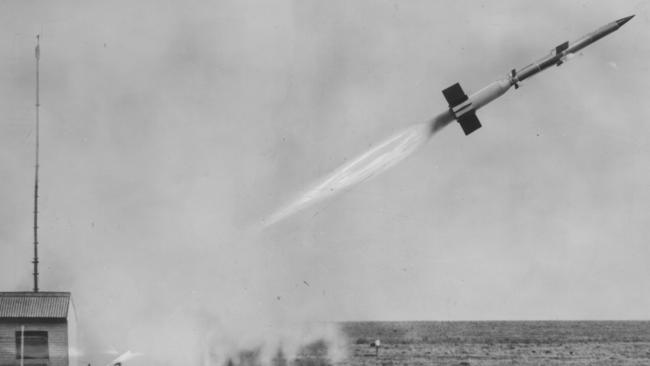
x=367, y=166
x=276, y=346
x=201, y=339
x=128, y=355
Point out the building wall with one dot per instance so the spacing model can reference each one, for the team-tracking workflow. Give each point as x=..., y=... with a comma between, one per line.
x=57, y=340
x=74, y=352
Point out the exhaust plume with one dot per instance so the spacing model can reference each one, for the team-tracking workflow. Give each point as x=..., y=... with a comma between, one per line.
x=365, y=167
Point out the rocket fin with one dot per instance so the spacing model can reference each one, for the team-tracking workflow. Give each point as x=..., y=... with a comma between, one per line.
x=469, y=122
x=454, y=95
x=461, y=108
x=558, y=51
x=561, y=47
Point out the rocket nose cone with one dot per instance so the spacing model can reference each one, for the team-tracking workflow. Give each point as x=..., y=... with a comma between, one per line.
x=622, y=21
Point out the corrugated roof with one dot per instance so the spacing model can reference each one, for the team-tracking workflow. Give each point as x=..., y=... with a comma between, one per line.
x=39, y=305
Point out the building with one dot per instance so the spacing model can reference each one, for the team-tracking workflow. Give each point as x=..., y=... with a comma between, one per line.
x=37, y=329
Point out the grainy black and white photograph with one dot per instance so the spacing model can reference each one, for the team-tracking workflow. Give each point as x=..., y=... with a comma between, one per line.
x=324, y=183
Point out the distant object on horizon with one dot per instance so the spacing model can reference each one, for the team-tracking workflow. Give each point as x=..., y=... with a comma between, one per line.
x=463, y=108
x=376, y=344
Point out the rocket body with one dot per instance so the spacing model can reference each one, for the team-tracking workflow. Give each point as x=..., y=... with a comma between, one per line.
x=560, y=53
x=462, y=107
x=490, y=93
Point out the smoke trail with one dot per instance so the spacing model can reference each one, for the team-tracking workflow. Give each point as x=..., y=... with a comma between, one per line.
x=124, y=357
x=365, y=167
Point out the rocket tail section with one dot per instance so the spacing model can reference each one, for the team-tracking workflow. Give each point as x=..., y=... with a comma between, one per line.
x=463, y=108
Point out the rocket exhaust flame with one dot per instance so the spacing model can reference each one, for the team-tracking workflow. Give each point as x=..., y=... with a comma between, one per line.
x=366, y=166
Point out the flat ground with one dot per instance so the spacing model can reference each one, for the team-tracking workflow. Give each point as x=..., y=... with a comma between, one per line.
x=499, y=343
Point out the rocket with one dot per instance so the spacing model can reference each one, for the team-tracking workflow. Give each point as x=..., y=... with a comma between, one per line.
x=463, y=108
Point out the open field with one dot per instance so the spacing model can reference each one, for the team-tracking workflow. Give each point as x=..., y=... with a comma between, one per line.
x=499, y=343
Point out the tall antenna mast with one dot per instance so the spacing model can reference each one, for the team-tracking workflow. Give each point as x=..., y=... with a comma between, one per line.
x=35, y=261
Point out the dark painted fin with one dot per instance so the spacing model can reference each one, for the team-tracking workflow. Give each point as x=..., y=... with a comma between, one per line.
x=558, y=51
x=513, y=78
x=469, y=122
x=454, y=95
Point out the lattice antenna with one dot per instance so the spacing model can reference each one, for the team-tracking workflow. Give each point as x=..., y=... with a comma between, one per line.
x=35, y=261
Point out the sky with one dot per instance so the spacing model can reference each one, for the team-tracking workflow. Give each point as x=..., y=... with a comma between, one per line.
x=170, y=130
